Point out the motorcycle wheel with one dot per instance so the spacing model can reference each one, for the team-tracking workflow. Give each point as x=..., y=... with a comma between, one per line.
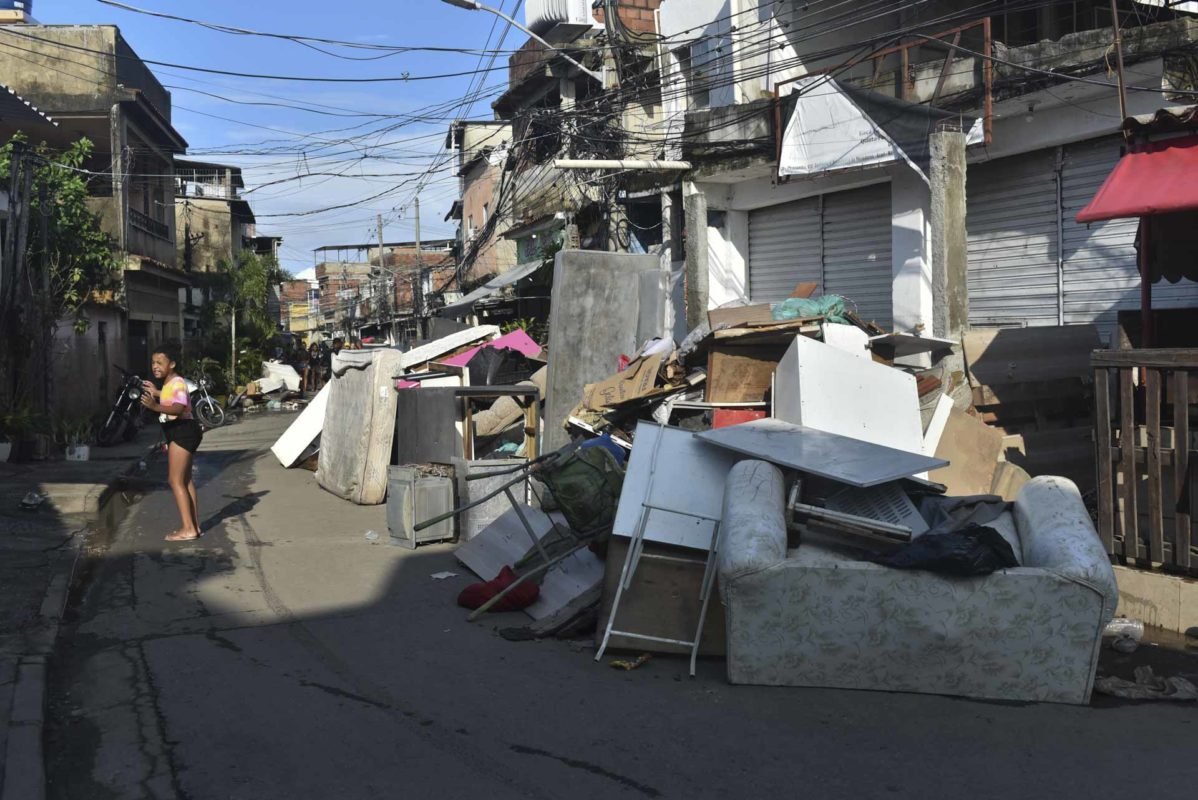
x=114, y=428
x=210, y=413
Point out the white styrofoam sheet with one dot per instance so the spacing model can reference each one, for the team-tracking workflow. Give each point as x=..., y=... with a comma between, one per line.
x=821, y=387
x=307, y=426
x=446, y=344
x=688, y=487
x=505, y=541
x=827, y=455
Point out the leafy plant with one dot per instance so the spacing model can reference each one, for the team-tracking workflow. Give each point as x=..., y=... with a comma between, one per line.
x=73, y=431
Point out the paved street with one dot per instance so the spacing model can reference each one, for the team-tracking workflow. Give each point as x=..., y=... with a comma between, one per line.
x=285, y=656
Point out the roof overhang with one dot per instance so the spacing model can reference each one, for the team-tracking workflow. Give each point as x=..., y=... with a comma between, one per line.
x=1155, y=178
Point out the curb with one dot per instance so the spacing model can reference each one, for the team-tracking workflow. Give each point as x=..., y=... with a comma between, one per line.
x=25, y=757
x=25, y=770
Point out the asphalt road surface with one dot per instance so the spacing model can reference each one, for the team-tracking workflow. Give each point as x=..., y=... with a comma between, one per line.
x=286, y=656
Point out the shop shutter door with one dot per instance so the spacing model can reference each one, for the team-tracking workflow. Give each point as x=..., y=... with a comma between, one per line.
x=1012, y=224
x=857, y=251
x=784, y=249
x=1101, y=276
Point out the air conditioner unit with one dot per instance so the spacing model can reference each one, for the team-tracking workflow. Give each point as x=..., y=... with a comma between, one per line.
x=559, y=20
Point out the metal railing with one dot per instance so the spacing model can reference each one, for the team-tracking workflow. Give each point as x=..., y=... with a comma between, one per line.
x=1144, y=518
x=149, y=224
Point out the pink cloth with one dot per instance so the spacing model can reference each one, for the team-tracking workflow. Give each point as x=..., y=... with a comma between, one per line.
x=517, y=340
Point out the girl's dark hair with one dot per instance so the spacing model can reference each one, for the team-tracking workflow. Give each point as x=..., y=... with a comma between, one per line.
x=169, y=349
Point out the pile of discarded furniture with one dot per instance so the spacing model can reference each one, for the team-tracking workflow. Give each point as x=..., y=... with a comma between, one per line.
x=818, y=500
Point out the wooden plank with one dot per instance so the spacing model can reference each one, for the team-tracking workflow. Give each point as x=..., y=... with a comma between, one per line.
x=972, y=449
x=805, y=289
x=1181, y=468
x=1127, y=465
x=741, y=374
x=1161, y=358
x=1105, y=466
x=719, y=318
x=1001, y=356
x=1156, y=524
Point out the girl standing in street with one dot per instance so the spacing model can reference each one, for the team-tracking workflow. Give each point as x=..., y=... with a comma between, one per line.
x=183, y=436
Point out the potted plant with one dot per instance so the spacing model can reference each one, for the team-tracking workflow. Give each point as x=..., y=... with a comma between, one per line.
x=18, y=425
x=75, y=434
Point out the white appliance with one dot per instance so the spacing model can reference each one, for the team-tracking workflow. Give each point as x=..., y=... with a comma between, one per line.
x=559, y=20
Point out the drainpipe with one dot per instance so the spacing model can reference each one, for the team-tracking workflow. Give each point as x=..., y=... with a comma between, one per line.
x=1059, y=171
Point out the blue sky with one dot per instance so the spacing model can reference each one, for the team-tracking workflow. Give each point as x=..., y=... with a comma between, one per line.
x=372, y=161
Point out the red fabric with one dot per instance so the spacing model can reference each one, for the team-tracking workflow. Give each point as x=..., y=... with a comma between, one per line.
x=724, y=417
x=520, y=598
x=1159, y=178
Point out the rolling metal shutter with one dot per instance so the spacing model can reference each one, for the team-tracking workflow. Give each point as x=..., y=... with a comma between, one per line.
x=1101, y=276
x=1012, y=224
x=857, y=235
x=784, y=249
x=840, y=241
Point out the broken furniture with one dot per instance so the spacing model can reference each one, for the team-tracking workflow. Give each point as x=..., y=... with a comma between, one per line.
x=303, y=431
x=527, y=399
x=817, y=617
x=827, y=455
x=413, y=495
x=1146, y=453
x=359, y=425
x=585, y=484
x=672, y=494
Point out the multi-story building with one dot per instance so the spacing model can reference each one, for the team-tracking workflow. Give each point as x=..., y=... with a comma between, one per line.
x=482, y=149
x=361, y=294
x=816, y=142
x=93, y=84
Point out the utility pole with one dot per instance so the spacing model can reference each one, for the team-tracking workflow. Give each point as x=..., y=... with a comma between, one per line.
x=418, y=289
x=1119, y=61
x=380, y=307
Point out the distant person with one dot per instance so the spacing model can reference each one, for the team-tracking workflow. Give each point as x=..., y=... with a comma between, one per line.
x=183, y=436
x=312, y=375
x=299, y=362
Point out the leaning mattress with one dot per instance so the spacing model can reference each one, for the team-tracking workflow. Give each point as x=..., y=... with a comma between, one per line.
x=359, y=425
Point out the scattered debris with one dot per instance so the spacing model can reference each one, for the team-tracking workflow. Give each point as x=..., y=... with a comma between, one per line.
x=1147, y=686
x=372, y=536
x=441, y=576
x=629, y=665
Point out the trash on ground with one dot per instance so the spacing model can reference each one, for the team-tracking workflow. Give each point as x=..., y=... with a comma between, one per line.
x=629, y=665
x=1147, y=686
x=441, y=576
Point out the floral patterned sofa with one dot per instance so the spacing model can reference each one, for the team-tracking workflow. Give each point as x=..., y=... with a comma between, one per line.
x=815, y=617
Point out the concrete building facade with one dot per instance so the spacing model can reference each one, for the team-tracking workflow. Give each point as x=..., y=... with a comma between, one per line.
x=94, y=85
x=867, y=233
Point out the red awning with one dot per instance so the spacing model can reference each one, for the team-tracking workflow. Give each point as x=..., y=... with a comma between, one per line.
x=1161, y=178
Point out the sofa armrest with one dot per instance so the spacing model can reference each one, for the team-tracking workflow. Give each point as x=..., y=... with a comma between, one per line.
x=753, y=528
x=1057, y=535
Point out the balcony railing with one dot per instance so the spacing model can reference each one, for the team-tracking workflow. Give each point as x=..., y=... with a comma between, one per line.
x=149, y=224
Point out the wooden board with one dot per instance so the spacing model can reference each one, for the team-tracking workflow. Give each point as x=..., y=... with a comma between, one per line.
x=741, y=373
x=742, y=315
x=971, y=448
x=662, y=601
x=1001, y=356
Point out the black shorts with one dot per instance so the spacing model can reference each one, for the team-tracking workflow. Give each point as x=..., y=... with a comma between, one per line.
x=184, y=432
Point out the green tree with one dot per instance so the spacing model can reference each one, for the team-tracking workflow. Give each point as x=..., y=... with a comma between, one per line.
x=68, y=259
x=245, y=287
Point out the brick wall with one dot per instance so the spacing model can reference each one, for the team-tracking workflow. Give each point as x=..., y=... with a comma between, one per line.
x=636, y=14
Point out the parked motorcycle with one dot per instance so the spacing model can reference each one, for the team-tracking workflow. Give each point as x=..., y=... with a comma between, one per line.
x=209, y=412
x=126, y=417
